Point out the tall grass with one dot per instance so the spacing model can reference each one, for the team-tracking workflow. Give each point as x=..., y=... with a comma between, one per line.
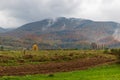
x=21, y=57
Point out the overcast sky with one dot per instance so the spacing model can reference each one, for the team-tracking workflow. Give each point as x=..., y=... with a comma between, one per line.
x=14, y=13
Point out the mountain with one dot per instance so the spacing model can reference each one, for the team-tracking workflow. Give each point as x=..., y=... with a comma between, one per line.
x=3, y=30
x=65, y=33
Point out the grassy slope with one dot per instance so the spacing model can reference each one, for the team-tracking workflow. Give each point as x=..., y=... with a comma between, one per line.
x=109, y=72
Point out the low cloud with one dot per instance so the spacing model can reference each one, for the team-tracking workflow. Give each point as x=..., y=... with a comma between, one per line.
x=14, y=13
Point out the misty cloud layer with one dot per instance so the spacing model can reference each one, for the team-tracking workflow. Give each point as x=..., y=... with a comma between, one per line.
x=14, y=13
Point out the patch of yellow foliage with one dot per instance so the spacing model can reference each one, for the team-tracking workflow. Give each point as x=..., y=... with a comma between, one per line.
x=35, y=47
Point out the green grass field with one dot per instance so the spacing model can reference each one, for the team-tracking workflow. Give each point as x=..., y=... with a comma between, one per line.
x=108, y=72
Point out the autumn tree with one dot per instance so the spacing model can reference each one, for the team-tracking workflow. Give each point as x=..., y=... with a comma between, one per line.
x=1, y=48
x=35, y=47
x=94, y=45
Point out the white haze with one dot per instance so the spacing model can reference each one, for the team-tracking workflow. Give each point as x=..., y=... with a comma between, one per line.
x=14, y=13
x=116, y=34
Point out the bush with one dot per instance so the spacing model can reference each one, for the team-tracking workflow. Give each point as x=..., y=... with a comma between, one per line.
x=50, y=75
x=116, y=52
x=28, y=56
x=106, y=50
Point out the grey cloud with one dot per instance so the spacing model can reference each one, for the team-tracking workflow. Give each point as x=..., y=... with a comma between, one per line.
x=36, y=9
x=24, y=11
x=111, y=10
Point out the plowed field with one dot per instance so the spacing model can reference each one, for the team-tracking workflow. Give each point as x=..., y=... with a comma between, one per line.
x=51, y=67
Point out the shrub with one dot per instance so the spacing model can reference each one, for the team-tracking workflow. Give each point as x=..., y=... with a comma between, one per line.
x=106, y=50
x=50, y=75
x=21, y=60
x=35, y=47
x=116, y=52
x=28, y=56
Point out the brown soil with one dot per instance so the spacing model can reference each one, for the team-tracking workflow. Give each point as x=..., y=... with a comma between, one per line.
x=52, y=67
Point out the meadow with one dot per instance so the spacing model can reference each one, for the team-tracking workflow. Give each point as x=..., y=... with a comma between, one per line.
x=13, y=58
x=59, y=65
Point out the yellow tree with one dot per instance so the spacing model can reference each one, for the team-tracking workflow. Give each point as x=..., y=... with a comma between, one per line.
x=35, y=47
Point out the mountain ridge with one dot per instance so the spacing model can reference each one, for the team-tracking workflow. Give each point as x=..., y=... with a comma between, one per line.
x=69, y=32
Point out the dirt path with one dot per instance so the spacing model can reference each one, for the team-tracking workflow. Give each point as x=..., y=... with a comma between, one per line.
x=52, y=67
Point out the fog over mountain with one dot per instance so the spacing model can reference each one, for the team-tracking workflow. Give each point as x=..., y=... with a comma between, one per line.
x=116, y=34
